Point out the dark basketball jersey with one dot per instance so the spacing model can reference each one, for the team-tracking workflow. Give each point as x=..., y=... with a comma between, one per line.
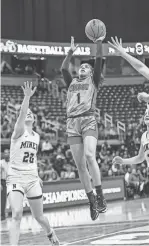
x=82, y=93
x=81, y=97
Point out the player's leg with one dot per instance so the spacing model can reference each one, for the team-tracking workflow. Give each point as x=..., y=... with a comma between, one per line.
x=15, y=197
x=76, y=145
x=79, y=158
x=90, y=144
x=90, y=136
x=3, y=198
x=85, y=178
x=34, y=195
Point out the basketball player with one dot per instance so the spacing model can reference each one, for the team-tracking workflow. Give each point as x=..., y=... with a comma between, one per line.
x=144, y=148
x=138, y=65
x=82, y=126
x=22, y=172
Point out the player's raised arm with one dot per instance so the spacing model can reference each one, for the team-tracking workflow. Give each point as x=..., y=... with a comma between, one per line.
x=66, y=62
x=19, y=126
x=98, y=64
x=138, y=65
x=130, y=161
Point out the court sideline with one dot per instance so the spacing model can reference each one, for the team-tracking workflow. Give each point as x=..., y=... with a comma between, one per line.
x=125, y=223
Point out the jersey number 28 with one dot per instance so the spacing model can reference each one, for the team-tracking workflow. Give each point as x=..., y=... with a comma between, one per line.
x=28, y=157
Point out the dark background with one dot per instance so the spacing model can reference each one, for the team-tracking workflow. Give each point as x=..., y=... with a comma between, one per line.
x=57, y=20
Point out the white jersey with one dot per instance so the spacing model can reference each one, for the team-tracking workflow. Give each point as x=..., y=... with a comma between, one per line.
x=145, y=143
x=23, y=152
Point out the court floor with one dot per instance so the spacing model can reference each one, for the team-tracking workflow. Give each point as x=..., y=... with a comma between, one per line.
x=125, y=223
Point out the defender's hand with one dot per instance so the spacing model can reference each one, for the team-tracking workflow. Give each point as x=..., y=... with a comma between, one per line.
x=117, y=45
x=27, y=89
x=143, y=96
x=73, y=46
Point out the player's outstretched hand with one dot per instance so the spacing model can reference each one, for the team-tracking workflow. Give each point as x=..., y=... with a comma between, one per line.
x=117, y=160
x=143, y=96
x=27, y=89
x=117, y=45
x=73, y=46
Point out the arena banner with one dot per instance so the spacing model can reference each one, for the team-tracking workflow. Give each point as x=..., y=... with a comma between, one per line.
x=61, y=49
x=70, y=192
x=138, y=48
x=41, y=48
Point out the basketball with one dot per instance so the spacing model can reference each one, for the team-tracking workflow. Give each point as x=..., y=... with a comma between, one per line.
x=95, y=29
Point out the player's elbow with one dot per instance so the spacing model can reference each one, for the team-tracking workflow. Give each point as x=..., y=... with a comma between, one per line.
x=139, y=159
x=144, y=71
x=63, y=69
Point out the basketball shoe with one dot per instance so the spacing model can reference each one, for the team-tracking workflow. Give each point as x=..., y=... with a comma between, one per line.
x=102, y=205
x=94, y=208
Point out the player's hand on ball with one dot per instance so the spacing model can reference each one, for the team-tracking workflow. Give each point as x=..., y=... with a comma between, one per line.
x=99, y=39
x=73, y=46
x=117, y=45
x=27, y=89
x=143, y=96
x=117, y=160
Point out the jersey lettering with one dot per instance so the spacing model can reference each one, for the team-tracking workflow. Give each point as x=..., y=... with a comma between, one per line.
x=78, y=87
x=28, y=144
x=23, y=152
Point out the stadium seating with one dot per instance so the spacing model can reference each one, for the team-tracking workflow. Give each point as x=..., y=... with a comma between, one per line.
x=114, y=100
x=117, y=102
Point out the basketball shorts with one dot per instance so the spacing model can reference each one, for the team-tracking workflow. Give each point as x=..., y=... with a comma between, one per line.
x=24, y=182
x=80, y=127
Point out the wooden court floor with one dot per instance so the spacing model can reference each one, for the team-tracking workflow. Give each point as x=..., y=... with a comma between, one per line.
x=125, y=223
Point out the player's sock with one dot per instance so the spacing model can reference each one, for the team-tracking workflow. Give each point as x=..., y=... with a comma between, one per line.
x=101, y=200
x=99, y=191
x=50, y=232
x=53, y=238
x=90, y=196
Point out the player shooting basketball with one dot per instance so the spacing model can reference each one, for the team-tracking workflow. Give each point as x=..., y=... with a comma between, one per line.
x=82, y=126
